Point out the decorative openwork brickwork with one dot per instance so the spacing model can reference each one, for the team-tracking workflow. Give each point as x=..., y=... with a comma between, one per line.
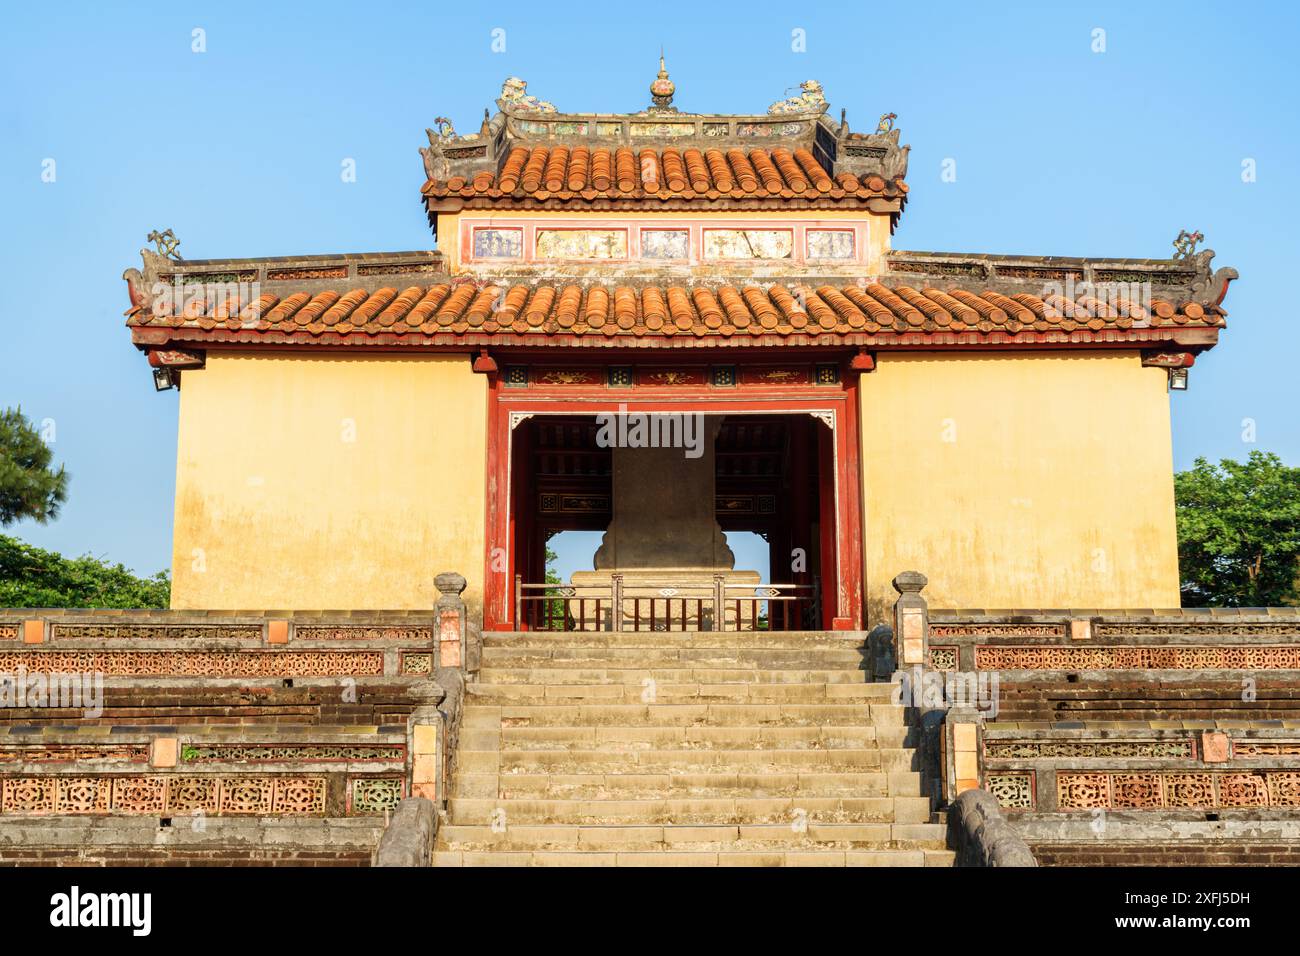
x=169, y=632
x=1174, y=790
x=299, y=795
x=1015, y=791
x=1197, y=629
x=8, y=632
x=412, y=635
x=164, y=793
x=996, y=630
x=126, y=753
x=416, y=663
x=374, y=794
x=1261, y=748
x=1068, y=749
x=266, y=753
x=943, y=658
x=184, y=663
x=194, y=794
x=1136, y=658
x=1082, y=790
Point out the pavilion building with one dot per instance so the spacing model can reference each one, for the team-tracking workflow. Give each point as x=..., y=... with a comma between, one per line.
x=351, y=425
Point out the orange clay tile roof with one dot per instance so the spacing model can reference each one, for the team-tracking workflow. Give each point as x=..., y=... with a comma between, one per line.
x=562, y=173
x=866, y=313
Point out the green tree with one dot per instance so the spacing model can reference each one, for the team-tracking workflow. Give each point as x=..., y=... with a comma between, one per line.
x=1239, y=532
x=31, y=577
x=29, y=487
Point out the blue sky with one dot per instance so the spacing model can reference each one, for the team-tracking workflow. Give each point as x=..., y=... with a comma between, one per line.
x=1059, y=150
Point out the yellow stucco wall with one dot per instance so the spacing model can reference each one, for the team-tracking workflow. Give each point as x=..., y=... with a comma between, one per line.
x=1017, y=481
x=322, y=482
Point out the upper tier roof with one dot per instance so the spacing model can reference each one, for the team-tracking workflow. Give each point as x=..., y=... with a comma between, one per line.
x=530, y=156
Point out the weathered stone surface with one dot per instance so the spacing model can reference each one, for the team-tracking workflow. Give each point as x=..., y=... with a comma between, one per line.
x=980, y=834
x=408, y=839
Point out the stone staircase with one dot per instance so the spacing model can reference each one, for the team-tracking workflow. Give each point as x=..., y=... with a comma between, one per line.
x=685, y=749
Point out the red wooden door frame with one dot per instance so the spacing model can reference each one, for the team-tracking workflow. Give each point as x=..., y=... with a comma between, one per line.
x=836, y=407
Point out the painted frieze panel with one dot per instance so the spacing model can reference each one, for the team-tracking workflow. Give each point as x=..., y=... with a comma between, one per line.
x=775, y=375
x=665, y=244
x=581, y=244
x=831, y=244
x=748, y=243
x=567, y=376
x=498, y=243
x=671, y=376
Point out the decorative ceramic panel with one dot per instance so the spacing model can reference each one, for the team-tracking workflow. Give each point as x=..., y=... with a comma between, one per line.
x=353, y=633
x=581, y=244
x=181, y=663
x=1014, y=791
x=1072, y=749
x=498, y=243
x=671, y=376
x=943, y=658
x=124, y=753
x=416, y=664
x=159, y=794
x=783, y=375
x=374, y=794
x=1137, y=658
x=1256, y=748
x=831, y=244
x=264, y=753
x=662, y=129
x=997, y=630
x=748, y=243
x=1177, y=790
x=170, y=632
x=665, y=244
x=1196, y=628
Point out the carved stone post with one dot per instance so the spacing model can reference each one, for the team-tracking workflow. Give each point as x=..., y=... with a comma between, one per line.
x=616, y=600
x=911, y=621
x=449, y=649
x=960, y=751
x=720, y=603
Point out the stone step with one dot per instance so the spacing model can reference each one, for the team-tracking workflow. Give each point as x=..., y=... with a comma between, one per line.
x=670, y=761
x=638, y=786
x=702, y=810
x=680, y=693
x=645, y=737
x=480, y=714
x=619, y=656
x=822, y=857
x=561, y=674
x=660, y=639
x=698, y=837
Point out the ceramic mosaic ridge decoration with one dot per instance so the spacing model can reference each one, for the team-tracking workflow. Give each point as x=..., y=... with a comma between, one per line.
x=564, y=173
x=665, y=311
